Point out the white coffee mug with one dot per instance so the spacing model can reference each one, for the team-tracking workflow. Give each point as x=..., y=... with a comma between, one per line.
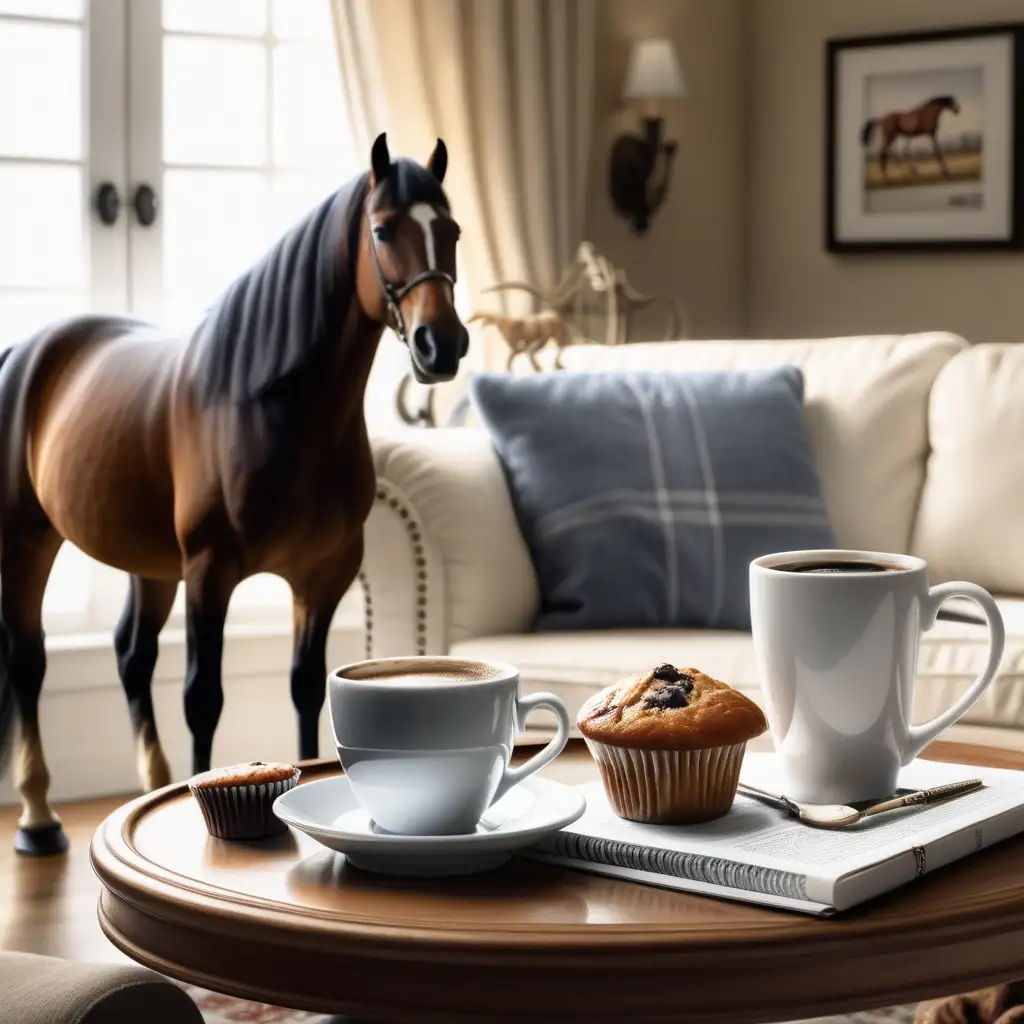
x=429, y=757
x=837, y=656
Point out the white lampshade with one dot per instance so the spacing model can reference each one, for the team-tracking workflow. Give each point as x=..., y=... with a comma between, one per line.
x=653, y=71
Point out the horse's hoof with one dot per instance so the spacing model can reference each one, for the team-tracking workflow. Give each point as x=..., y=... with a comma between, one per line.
x=44, y=841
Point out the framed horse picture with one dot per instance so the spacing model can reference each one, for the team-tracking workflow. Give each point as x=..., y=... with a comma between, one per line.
x=923, y=139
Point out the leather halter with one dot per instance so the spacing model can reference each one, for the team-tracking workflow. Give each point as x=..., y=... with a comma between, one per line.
x=395, y=293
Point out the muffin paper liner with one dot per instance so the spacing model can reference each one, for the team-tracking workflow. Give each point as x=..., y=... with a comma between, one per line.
x=669, y=787
x=243, y=811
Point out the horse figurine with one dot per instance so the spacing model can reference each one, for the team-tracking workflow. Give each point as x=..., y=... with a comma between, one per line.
x=922, y=120
x=528, y=335
x=239, y=449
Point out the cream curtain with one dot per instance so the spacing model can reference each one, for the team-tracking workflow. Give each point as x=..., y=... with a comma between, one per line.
x=365, y=103
x=509, y=86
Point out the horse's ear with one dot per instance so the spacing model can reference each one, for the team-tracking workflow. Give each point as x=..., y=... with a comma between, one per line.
x=380, y=160
x=438, y=162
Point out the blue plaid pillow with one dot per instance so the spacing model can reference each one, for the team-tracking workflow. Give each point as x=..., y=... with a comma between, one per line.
x=643, y=497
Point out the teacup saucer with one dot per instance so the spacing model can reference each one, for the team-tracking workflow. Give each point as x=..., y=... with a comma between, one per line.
x=327, y=811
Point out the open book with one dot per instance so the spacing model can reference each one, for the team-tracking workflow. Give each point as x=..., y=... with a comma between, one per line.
x=758, y=854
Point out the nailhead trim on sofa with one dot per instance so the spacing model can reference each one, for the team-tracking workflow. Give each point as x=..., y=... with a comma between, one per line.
x=419, y=554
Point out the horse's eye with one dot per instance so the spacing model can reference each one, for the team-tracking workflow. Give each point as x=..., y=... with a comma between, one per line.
x=384, y=233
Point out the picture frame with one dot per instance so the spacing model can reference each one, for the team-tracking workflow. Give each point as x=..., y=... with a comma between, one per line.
x=923, y=139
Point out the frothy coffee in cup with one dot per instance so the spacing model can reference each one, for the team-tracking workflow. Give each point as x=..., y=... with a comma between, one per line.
x=426, y=741
x=450, y=671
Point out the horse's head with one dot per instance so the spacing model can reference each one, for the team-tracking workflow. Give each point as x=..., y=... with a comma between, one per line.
x=406, y=273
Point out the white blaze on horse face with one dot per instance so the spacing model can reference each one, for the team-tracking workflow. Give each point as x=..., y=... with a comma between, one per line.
x=425, y=215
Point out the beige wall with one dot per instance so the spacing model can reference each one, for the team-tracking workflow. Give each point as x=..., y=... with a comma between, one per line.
x=693, y=249
x=793, y=286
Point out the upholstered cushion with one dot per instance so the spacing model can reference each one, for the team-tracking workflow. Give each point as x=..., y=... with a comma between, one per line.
x=43, y=990
x=643, y=497
x=575, y=665
x=970, y=522
x=866, y=402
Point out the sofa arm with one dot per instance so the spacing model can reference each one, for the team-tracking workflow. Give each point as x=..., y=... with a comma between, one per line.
x=444, y=558
x=43, y=990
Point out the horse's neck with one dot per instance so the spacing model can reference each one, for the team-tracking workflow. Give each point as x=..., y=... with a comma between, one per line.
x=338, y=387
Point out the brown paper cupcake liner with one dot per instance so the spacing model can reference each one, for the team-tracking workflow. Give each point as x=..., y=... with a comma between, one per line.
x=669, y=787
x=243, y=811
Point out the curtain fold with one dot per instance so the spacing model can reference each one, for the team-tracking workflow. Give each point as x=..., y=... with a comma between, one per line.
x=360, y=71
x=509, y=86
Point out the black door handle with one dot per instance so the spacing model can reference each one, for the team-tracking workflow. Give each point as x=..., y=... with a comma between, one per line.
x=146, y=205
x=107, y=201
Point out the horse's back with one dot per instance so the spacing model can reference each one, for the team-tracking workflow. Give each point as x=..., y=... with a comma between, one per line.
x=24, y=371
x=87, y=401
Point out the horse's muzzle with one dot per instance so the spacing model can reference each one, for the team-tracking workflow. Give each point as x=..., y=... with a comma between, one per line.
x=436, y=352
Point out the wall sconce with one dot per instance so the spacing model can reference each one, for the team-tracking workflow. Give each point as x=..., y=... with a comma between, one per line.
x=653, y=75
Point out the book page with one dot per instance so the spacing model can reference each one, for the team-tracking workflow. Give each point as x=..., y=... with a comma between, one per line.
x=757, y=834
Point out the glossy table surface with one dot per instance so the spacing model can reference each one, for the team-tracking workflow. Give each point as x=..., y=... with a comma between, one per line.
x=288, y=922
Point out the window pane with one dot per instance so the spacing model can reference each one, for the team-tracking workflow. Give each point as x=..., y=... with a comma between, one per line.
x=68, y=586
x=22, y=314
x=292, y=196
x=303, y=19
x=215, y=226
x=41, y=90
x=41, y=216
x=43, y=8
x=309, y=119
x=230, y=17
x=214, y=102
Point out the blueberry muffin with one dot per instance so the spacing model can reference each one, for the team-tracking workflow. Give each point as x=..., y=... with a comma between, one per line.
x=237, y=802
x=669, y=744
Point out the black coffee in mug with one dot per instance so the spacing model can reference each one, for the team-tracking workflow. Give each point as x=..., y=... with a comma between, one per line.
x=824, y=567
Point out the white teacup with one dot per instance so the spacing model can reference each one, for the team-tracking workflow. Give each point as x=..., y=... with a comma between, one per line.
x=426, y=742
x=836, y=648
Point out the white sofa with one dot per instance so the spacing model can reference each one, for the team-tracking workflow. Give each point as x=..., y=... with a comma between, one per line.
x=920, y=447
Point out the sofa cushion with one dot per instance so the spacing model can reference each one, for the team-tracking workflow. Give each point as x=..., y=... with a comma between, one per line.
x=971, y=519
x=575, y=665
x=866, y=402
x=643, y=497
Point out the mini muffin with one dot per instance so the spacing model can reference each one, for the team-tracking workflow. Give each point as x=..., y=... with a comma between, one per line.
x=237, y=802
x=669, y=744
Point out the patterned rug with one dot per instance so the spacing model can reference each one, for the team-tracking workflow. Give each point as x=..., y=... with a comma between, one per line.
x=218, y=1009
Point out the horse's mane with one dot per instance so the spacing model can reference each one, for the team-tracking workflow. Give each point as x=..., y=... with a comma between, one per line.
x=942, y=101
x=282, y=310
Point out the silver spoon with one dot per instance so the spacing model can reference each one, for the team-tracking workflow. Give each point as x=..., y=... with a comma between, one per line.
x=839, y=815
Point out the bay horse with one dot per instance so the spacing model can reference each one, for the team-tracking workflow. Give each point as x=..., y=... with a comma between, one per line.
x=240, y=448
x=922, y=120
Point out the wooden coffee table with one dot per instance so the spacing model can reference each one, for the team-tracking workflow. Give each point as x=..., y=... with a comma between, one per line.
x=287, y=922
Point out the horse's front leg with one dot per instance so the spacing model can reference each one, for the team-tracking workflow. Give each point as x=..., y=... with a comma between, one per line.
x=939, y=156
x=210, y=580
x=136, y=642
x=316, y=598
x=883, y=154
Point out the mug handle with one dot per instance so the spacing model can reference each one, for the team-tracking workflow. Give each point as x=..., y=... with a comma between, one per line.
x=919, y=736
x=524, y=707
